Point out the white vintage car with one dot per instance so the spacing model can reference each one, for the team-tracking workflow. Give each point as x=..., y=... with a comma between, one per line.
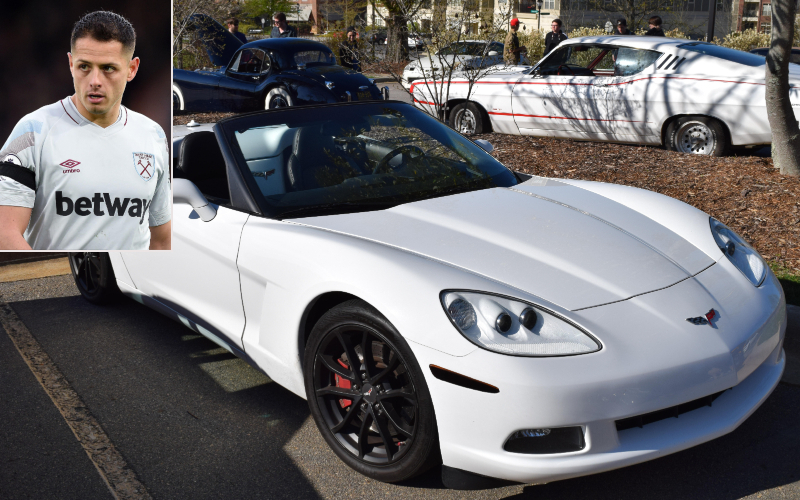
x=435, y=307
x=689, y=96
x=455, y=57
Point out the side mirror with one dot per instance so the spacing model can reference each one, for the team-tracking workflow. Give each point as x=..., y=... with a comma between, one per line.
x=184, y=191
x=493, y=53
x=486, y=145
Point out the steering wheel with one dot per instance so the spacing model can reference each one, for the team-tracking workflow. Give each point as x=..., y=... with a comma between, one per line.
x=405, y=149
x=565, y=66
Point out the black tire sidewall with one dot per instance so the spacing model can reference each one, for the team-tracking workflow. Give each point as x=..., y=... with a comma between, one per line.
x=107, y=290
x=425, y=447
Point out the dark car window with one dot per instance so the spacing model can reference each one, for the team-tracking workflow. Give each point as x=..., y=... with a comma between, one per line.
x=732, y=55
x=334, y=159
x=314, y=58
x=578, y=60
x=632, y=61
x=248, y=61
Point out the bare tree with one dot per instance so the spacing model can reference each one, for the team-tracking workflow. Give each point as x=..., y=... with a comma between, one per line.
x=782, y=120
x=188, y=47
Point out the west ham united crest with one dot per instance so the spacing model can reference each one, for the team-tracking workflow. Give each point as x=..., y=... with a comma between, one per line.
x=145, y=165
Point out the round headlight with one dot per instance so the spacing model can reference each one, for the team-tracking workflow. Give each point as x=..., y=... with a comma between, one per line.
x=463, y=314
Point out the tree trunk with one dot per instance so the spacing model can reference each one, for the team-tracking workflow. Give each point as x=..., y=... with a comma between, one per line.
x=397, y=40
x=782, y=120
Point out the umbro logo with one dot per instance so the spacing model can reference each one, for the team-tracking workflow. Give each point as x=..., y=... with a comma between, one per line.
x=69, y=166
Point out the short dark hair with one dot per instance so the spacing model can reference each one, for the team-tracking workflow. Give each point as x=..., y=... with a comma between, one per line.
x=622, y=21
x=558, y=21
x=232, y=21
x=280, y=16
x=655, y=20
x=105, y=26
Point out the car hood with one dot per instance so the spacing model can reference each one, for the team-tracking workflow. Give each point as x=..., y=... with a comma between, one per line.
x=562, y=243
x=438, y=61
x=342, y=78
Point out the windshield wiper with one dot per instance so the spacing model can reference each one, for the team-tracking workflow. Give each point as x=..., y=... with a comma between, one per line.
x=336, y=208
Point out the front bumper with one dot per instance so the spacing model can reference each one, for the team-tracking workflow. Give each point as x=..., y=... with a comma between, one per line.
x=653, y=360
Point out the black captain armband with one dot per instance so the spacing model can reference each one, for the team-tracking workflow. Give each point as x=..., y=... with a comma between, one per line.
x=19, y=174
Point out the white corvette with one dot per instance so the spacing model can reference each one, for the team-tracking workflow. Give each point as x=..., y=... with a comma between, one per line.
x=693, y=97
x=435, y=307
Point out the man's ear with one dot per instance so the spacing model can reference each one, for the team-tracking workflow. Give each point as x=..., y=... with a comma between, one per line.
x=69, y=56
x=133, y=67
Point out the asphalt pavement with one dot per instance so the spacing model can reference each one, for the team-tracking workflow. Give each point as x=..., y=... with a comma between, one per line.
x=192, y=421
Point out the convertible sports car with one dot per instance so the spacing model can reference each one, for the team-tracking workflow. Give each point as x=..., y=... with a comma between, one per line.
x=433, y=305
x=269, y=73
x=693, y=97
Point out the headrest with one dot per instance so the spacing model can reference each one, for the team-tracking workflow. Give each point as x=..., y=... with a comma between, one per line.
x=200, y=157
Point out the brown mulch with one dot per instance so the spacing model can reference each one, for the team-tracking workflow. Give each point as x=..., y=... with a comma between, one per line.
x=743, y=191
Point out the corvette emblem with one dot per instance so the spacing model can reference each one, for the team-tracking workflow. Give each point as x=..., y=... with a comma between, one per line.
x=703, y=320
x=144, y=163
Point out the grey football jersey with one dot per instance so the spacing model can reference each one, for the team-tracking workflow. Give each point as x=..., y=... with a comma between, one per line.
x=96, y=188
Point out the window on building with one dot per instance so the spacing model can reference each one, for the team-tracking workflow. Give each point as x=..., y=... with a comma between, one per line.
x=766, y=28
x=766, y=10
x=750, y=9
x=748, y=25
x=550, y=4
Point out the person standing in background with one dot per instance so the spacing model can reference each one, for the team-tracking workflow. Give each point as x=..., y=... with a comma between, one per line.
x=655, y=27
x=555, y=36
x=512, y=52
x=280, y=28
x=233, y=27
x=622, y=27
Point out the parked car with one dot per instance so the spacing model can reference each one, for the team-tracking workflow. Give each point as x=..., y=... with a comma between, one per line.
x=375, y=37
x=432, y=304
x=459, y=56
x=268, y=73
x=693, y=97
x=794, y=57
x=415, y=41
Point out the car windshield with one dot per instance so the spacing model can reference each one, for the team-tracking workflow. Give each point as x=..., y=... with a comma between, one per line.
x=309, y=56
x=357, y=157
x=462, y=49
x=732, y=55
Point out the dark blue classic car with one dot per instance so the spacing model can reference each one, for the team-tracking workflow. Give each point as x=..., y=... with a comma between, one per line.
x=270, y=73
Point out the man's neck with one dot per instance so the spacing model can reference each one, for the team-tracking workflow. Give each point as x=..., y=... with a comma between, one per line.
x=104, y=120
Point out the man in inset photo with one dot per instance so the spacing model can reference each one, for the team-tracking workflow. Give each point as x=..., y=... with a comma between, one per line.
x=86, y=172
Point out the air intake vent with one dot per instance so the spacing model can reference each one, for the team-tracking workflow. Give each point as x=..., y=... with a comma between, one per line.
x=672, y=412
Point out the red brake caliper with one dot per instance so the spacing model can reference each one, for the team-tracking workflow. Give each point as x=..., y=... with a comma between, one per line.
x=344, y=384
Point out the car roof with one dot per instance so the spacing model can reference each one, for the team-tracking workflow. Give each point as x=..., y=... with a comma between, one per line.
x=637, y=42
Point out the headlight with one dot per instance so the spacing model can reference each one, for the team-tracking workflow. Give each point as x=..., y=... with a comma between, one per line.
x=509, y=326
x=742, y=255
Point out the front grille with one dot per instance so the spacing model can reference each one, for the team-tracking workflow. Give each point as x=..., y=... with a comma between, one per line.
x=671, y=412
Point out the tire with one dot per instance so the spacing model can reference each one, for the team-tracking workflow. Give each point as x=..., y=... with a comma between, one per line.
x=278, y=98
x=372, y=428
x=94, y=276
x=178, y=103
x=467, y=119
x=697, y=135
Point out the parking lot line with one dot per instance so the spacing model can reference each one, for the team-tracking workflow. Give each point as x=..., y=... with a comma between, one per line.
x=119, y=478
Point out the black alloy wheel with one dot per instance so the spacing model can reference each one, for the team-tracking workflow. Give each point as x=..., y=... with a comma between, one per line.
x=367, y=394
x=278, y=101
x=94, y=276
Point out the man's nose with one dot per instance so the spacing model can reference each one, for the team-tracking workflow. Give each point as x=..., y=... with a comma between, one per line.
x=95, y=77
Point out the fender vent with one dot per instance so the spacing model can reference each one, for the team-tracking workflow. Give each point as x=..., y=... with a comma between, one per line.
x=671, y=412
x=462, y=380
